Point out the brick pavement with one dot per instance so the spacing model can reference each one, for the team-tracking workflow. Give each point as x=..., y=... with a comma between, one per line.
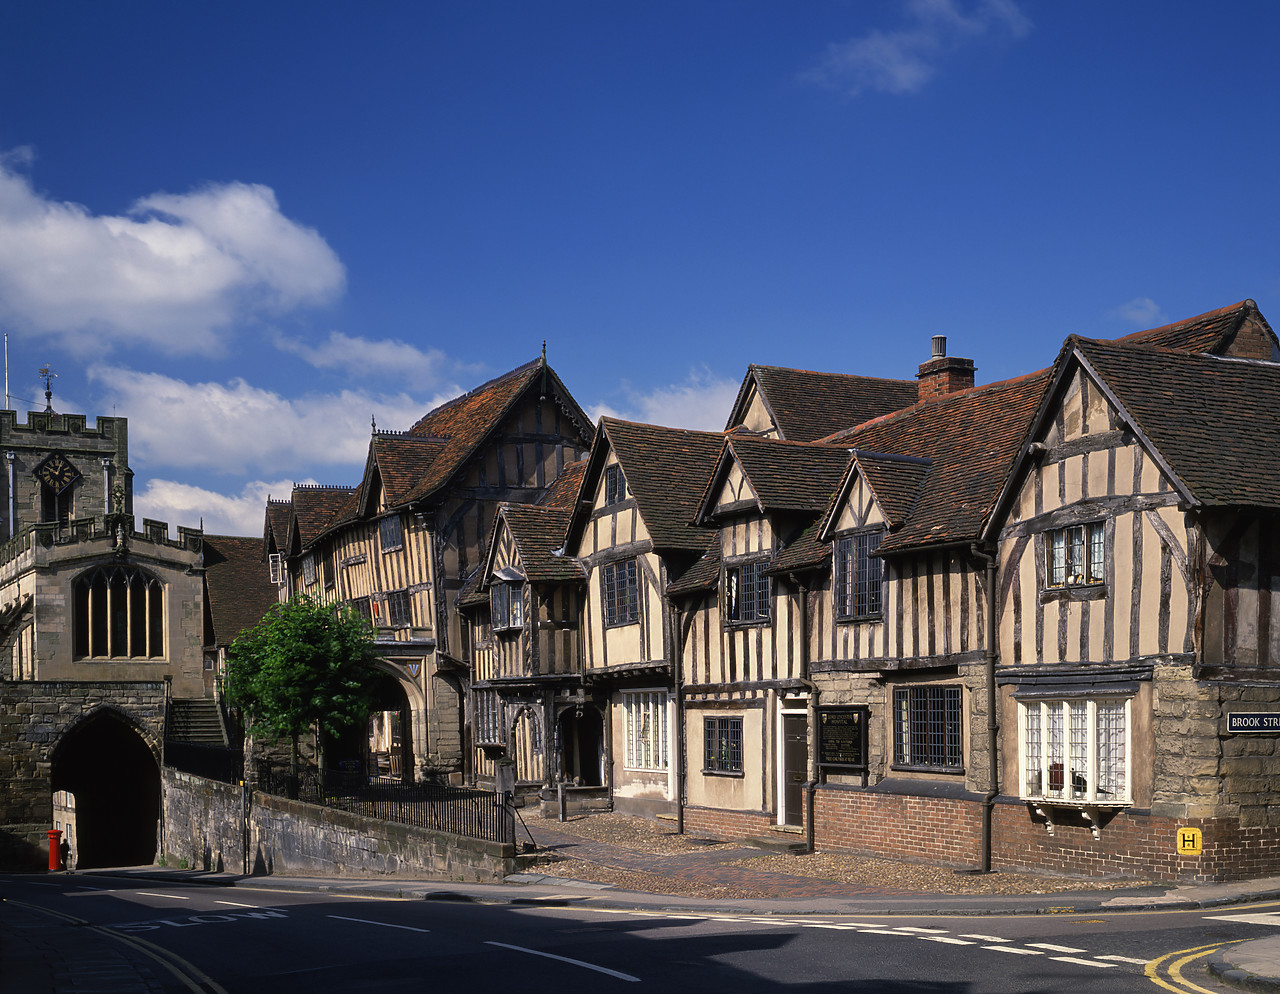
x=707, y=868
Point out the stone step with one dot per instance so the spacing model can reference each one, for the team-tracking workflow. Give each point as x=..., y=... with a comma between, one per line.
x=781, y=840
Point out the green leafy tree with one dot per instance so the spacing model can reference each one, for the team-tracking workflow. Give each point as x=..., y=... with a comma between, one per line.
x=302, y=666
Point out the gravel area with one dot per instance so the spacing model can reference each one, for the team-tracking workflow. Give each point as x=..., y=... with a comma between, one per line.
x=641, y=836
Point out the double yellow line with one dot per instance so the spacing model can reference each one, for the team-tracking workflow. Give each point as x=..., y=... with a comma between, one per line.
x=1181, y=958
x=191, y=976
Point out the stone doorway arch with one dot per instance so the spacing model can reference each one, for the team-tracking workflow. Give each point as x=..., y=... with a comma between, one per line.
x=581, y=739
x=109, y=766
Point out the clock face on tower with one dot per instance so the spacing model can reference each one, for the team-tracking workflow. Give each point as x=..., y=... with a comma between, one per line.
x=56, y=473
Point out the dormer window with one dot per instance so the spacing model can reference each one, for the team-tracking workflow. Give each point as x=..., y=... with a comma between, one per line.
x=746, y=594
x=1077, y=555
x=506, y=604
x=858, y=575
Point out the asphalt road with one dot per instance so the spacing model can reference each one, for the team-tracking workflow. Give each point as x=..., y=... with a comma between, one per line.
x=241, y=941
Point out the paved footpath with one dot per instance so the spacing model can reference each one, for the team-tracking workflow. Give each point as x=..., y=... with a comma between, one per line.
x=706, y=868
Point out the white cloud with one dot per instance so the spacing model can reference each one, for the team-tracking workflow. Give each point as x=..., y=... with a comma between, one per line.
x=701, y=402
x=222, y=514
x=169, y=273
x=236, y=428
x=903, y=61
x=386, y=358
x=1141, y=311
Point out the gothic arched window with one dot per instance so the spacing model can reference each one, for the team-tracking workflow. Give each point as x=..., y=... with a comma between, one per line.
x=119, y=613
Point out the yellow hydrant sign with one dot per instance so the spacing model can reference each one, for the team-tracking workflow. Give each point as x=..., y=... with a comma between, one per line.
x=1190, y=842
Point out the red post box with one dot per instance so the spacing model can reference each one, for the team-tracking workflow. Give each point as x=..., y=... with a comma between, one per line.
x=55, y=848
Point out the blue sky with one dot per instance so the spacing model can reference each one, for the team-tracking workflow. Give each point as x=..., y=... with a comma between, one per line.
x=250, y=227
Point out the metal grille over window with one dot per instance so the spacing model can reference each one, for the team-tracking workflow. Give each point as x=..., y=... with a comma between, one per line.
x=859, y=575
x=308, y=569
x=722, y=742
x=621, y=593
x=747, y=593
x=1076, y=751
x=389, y=533
x=1077, y=555
x=646, y=729
x=119, y=613
x=928, y=727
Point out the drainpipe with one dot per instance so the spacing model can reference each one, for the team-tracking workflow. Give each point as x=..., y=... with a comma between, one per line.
x=812, y=717
x=13, y=524
x=677, y=682
x=993, y=758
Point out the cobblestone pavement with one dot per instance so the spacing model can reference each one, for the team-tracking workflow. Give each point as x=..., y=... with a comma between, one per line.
x=642, y=855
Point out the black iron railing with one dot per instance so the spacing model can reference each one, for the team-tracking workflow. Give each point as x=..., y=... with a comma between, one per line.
x=466, y=811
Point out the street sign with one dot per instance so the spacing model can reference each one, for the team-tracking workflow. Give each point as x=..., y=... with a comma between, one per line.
x=1190, y=842
x=1252, y=721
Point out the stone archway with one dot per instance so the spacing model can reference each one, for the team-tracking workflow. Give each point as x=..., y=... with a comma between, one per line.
x=106, y=763
x=581, y=734
x=390, y=731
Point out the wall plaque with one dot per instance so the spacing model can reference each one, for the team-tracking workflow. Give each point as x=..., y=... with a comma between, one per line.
x=842, y=737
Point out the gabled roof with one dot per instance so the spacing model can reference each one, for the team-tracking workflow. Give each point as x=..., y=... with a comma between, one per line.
x=275, y=527
x=702, y=576
x=313, y=507
x=896, y=481
x=400, y=460
x=1215, y=422
x=972, y=439
x=784, y=476
x=538, y=530
x=238, y=588
x=1238, y=330
x=807, y=406
x=666, y=470
x=463, y=425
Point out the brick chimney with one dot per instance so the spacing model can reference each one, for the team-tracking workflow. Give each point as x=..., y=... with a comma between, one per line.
x=943, y=375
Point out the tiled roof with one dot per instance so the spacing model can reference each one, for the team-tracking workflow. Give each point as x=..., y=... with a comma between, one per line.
x=1215, y=421
x=563, y=493
x=807, y=406
x=237, y=584
x=666, y=471
x=805, y=553
x=788, y=476
x=702, y=576
x=314, y=507
x=1212, y=332
x=463, y=424
x=402, y=461
x=276, y=526
x=896, y=481
x=972, y=437
x=538, y=532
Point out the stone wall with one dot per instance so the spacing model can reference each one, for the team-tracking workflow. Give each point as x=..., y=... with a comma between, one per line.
x=203, y=823
x=34, y=717
x=290, y=837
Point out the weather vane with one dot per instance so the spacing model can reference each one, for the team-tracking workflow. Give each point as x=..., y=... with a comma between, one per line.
x=47, y=374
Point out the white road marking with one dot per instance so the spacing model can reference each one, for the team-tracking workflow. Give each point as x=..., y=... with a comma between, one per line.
x=173, y=897
x=917, y=928
x=1015, y=950
x=1056, y=949
x=830, y=925
x=566, y=959
x=1083, y=962
x=1125, y=959
x=947, y=939
x=985, y=938
x=882, y=931
x=235, y=905
x=1261, y=919
x=365, y=921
